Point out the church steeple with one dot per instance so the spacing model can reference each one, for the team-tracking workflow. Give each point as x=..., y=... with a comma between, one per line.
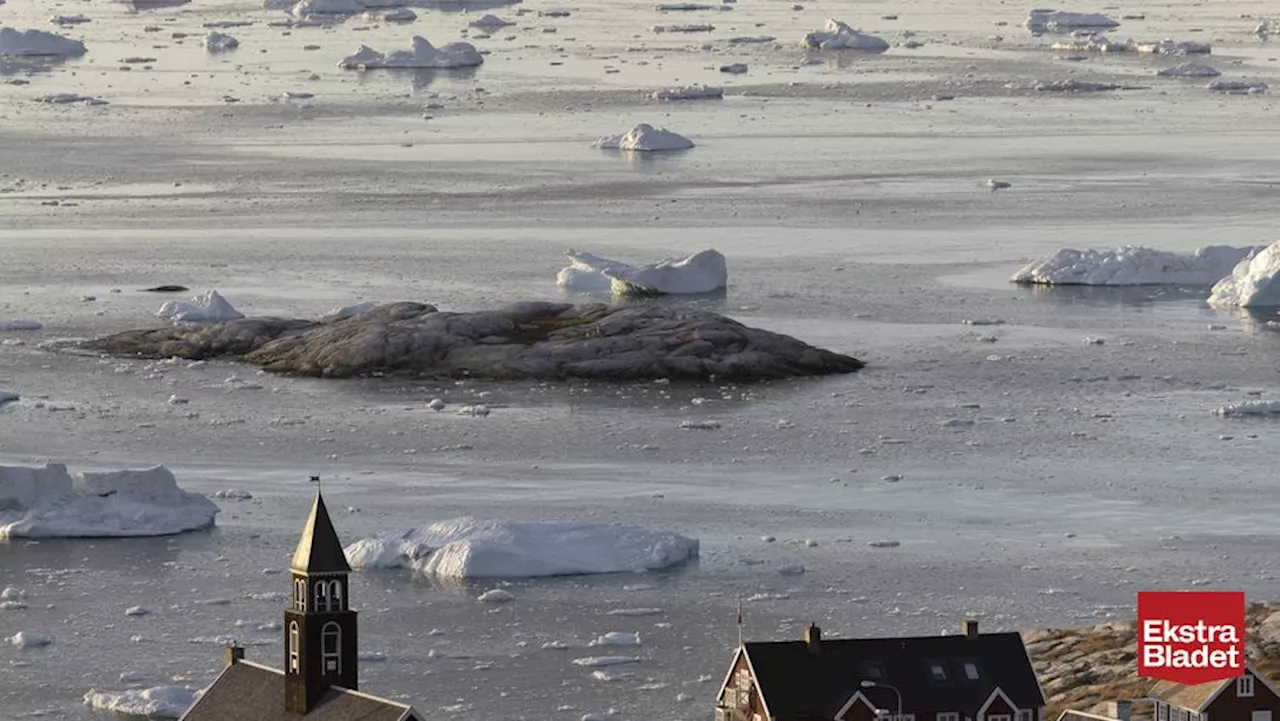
x=319, y=627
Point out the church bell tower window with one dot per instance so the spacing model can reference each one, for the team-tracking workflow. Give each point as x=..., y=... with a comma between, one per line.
x=331, y=648
x=293, y=647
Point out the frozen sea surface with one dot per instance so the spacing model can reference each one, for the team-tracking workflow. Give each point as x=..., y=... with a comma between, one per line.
x=1031, y=477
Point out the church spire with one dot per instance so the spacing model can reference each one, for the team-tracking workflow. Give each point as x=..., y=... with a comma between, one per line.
x=319, y=550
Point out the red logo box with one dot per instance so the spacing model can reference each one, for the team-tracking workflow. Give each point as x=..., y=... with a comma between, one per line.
x=1190, y=637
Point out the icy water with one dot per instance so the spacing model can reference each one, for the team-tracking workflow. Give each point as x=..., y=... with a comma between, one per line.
x=1033, y=479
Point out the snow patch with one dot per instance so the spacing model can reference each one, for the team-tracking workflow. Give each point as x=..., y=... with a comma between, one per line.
x=50, y=502
x=38, y=43
x=1133, y=265
x=836, y=35
x=1254, y=282
x=644, y=138
x=156, y=702
x=702, y=272
x=468, y=548
x=422, y=55
x=208, y=307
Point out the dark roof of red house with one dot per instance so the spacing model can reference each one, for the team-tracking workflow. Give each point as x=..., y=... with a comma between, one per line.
x=796, y=681
x=246, y=691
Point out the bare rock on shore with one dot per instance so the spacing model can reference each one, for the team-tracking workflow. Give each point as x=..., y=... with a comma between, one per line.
x=535, y=340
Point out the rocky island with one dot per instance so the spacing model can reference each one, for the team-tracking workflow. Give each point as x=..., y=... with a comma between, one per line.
x=534, y=340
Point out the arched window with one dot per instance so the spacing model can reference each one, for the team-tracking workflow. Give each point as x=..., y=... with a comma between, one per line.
x=331, y=647
x=335, y=595
x=322, y=596
x=300, y=594
x=293, y=647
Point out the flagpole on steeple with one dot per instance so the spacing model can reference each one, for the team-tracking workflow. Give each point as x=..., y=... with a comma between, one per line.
x=739, y=623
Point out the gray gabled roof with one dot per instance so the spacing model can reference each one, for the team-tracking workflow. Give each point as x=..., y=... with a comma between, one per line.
x=246, y=691
x=319, y=550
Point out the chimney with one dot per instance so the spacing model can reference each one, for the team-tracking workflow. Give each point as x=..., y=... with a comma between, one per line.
x=970, y=628
x=234, y=654
x=813, y=638
x=1121, y=710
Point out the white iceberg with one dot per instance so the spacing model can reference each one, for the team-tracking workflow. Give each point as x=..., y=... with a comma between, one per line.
x=1254, y=282
x=835, y=35
x=216, y=42
x=209, y=307
x=1133, y=265
x=1248, y=408
x=489, y=22
x=38, y=43
x=692, y=92
x=467, y=548
x=157, y=702
x=702, y=272
x=644, y=138
x=1064, y=21
x=12, y=325
x=309, y=8
x=423, y=55
x=1189, y=70
x=50, y=502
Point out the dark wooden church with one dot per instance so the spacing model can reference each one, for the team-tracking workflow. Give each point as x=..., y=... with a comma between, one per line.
x=320, y=680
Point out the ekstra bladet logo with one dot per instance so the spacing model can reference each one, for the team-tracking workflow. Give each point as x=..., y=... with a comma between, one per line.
x=1191, y=637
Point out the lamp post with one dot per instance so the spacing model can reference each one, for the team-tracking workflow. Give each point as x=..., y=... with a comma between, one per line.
x=896, y=692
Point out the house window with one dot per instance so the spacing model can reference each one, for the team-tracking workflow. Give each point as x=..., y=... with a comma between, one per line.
x=971, y=671
x=1244, y=686
x=1162, y=711
x=293, y=647
x=1024, y=715
x=948, y=717
x=937, y=671
x=331, y=647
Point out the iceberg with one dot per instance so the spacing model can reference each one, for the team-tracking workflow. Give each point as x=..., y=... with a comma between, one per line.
x=644, y=138
x=216, y=42
x=38, y=43
x=469, y=548
x=702, y=272
x=1039, y=21
x=209, y=307
x=423, y=55
x=835, y=35
x=157, y=702
x=1254, y=282
x=1133, y=265
x=50, y=502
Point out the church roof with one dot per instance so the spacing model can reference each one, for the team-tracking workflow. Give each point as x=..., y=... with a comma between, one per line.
x=246, y=691
x=319, y=550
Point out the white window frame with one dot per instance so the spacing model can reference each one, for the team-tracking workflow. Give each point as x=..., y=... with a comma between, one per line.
x=949, y=716
x=999, y=717
x=294, y=658
x=1162, y=711
x=1023, y=715
x=1244, y=686
x=300, y=594
x=331, y=629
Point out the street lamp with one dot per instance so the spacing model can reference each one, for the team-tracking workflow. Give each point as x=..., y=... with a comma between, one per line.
x=896, y=692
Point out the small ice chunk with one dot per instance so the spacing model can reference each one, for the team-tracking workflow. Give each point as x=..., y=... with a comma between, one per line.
x=1064, y=21
x=700, y=425
x=478, y=409
x=836, y=35
x=1253, y=282
x=691, y=92
x=791, y=569
x=436, y=404
x=1134, y=265
x=209, y=307
x=1248, y=408
x=216, y=42
x=157, y=702
x=38, y=43
x=496, y=595
x=489, y=22
x=27, y=639
x=644, y=138
x=603, y=661
x=1189, y=70
x=421, y=55
x=884, y=544
x=617, y=638
x=16, y=325
x=136, y=611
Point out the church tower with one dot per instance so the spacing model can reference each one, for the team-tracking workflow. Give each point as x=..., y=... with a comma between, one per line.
x=319, y=625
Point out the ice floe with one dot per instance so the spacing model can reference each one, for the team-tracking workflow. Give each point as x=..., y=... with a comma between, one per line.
x=1248, y=408
x=617, y=638
x=391, y=15
x=686, y=28
x=496, y=595
x=216, y=42
x=38, y=43
x=17, y=324
x=467, y=548
x=836, y=35
x=1039, y=21
x=603, y=661
x=489, y=22
x=69, y=99
x=1253, y=282
x=1133, y=265
x=692, y=92
x=702, y=272
x=1237, y=87
x=157, y=702
x=51, y=502
x=644, y=138
x=27, y=639
x=208, y=307
x=422, y=55
x=1189, y=70
x=308, y=8
x=1173, y=47
x=751, y=39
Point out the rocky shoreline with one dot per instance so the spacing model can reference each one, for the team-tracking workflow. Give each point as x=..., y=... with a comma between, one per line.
x=535, y=340
x=1085, y=667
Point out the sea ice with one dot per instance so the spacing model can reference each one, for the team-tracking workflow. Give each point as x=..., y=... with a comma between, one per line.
x=688, y=28
x=392, y=15
x=306, y=8
x=489, y=22
x=27, y=639
x=692, y=92
x=69, y=99
x=496, y=595
x=38, y=43
x=53, y=503
x=1171, y=47
x=209, y=307
x=467, y=548
x=836, y=35
x=216, y=42
x=1248, y=408
x=423, y=55
x=1254, y=282
x=1133, y=265
x=1237, y=87
x=1189, y=70
x=602, y=661
x=1063, y=21
x=644, y=138
x=702, y=272
x=751, y=39
x=13, y=325
x=157, y=702
x=617, y=638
